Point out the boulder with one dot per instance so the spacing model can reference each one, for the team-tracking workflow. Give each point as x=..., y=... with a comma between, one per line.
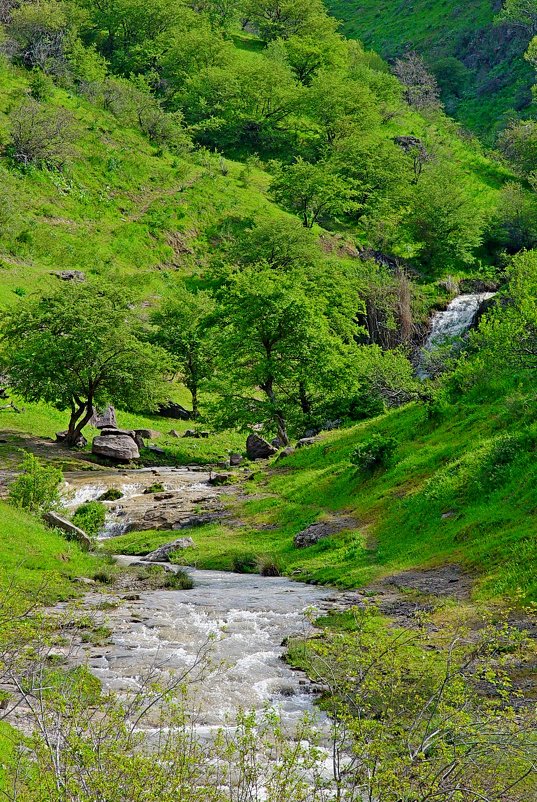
x=104, y=419
x=156, y=450
x=174, y=433
x=190, y=433
x=286, y=452
x=118, y=447
x=306, y=441
x=258, y=448
x=113, y=431
x=148, y=434
x=321, y=530
x=235, y=459
x=277, y=442
x=59, y=522
x=162, y=554
x=172, y=410
x=69, y=275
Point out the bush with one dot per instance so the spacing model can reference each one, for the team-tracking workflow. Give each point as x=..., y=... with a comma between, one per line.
x=376, y=452
x=157, y=487
x=36, y=488
x=90, y=517
x=41, y=135
x=244, y=563
x=112, y=494
x=179, y=580
x=267, y=566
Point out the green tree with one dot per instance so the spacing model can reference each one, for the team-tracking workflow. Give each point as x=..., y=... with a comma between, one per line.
x=443, y=220
x=508, y=334
x=77, y=347
x=339, y=105
x=518, y=143
x=313, y=191
x=183, y=328
x=276, y=350
x=280, y=19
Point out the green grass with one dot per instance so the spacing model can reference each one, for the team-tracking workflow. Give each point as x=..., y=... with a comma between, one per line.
x=38, y=563
x=498, y=79
x=482, y=514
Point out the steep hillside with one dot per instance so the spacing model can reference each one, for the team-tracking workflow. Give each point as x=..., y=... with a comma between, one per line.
x=479, y=65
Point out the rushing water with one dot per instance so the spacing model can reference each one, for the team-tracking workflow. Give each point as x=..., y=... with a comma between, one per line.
x=244, y=617
x=452, y=322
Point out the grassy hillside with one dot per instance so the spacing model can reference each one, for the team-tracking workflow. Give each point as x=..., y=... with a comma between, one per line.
x=493, y=82
x=453, y=494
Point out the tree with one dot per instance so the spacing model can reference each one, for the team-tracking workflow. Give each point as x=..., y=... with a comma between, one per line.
x=421, y=89
x=183, y=328
x=281, y=19
x=518, y=143
x=313, y=191
x=508, y=334
x=276, y=350
x=339, y=105
x=443, y=219
x=41, y=134
x=515, y=225
x=77, y=347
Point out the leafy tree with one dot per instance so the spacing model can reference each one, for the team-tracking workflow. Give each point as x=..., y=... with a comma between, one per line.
x=508, y=334
x=41, y=32
x=421, y=89
x=281, y=243
x=309, y=54
x=276, y=350
x=75, y=348
x=183, y=328
x=313, y=191
x=339, y=105
x=515, y=223
x=443, y=220
x=280, y=19
x=518, y=143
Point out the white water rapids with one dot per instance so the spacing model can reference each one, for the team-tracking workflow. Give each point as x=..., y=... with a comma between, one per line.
x=245, y=616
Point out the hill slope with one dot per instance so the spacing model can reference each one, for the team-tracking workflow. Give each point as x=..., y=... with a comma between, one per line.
x=487, y=84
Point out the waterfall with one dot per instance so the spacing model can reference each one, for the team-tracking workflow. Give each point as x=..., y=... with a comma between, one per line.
x=452, y=322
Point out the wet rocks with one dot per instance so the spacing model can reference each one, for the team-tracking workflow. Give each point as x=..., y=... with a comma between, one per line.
x=220, y=479
x=162, y=554
x=59, y=522
x=258, y=448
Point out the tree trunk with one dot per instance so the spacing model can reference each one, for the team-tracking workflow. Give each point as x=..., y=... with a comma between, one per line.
x=278, y=417
x=195, y=406
x=81, y=414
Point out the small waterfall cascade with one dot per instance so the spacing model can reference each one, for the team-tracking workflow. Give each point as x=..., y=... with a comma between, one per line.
x=452, y=322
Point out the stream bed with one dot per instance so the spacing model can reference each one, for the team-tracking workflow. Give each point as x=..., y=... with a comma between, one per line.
x=241, y=620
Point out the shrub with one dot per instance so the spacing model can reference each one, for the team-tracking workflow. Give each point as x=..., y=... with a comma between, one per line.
x=41, y=135
x=112, y=494
x=179, y=580
x=267, y=566
x=244, y=563
x=90, y=517
x=157, y=487
x=36, y=488
x=376, y=452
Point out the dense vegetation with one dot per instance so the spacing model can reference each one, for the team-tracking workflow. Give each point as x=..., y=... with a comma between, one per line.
x=475, y=53
x=228, y=204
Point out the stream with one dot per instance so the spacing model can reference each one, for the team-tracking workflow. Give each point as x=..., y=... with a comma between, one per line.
x=245, y=616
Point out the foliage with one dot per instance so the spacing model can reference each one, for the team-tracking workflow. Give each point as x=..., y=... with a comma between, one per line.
x=411, y=706
x=36, y=488
x=376, y=452
x=75, y=348
x=90, y=517
x=421, y=89
x=41, y=135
